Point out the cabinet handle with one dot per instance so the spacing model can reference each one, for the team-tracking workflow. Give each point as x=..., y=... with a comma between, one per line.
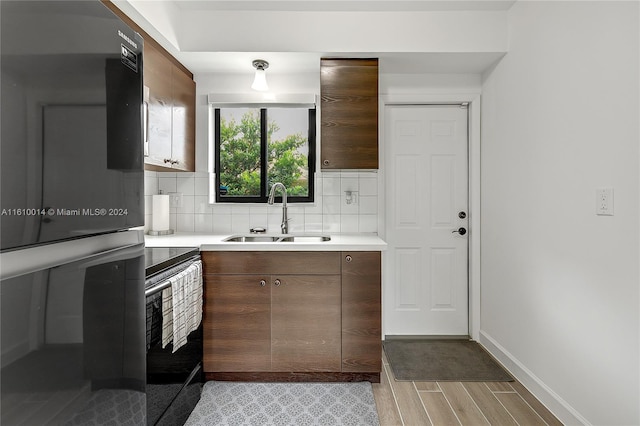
x=263, y=283
x=175, y=162
x=167, y=160
x=326, y=162
x=277, y=282
x=348, y=258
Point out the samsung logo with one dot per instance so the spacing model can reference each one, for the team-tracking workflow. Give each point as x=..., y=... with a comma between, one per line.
x=131, y=42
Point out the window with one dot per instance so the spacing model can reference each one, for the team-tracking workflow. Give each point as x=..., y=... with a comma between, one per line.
x=257, y=147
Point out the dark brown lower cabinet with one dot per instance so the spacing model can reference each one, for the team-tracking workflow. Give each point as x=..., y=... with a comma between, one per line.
x=292, y=316
x=361, y=314
x=305, y=323
x=237, y=326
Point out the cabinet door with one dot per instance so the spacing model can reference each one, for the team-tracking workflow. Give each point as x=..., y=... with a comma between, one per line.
x=157, y=81
x=237, y=323
x=305, y=323
x=349, y=113
x=361, y=312
x=184, y=121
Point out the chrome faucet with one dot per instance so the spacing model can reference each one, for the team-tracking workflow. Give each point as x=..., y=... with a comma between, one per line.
x=284, y=226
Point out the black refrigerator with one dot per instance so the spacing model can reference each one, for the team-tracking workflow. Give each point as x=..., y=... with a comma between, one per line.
x=72, y=340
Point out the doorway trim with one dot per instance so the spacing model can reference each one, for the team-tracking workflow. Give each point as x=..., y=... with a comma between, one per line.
x=473, y=100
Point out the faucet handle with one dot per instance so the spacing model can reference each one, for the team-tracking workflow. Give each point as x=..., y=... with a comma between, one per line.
x=284, y=226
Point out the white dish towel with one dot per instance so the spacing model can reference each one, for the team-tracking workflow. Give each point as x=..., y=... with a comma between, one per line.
x=182, y=306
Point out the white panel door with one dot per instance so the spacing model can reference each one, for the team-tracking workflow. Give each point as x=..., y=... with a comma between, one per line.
x=426, y=278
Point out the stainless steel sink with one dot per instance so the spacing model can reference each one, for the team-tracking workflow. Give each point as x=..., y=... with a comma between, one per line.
x=306, y=238
x=285, y=238
x=252, y=239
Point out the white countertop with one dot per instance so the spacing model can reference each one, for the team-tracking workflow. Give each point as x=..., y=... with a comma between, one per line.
x=211, y=242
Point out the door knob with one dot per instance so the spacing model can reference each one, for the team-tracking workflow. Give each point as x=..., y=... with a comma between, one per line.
x=462, y=215
x=460, y=231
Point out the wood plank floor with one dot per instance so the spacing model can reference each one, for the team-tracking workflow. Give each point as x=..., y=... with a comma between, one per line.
x=456, y=403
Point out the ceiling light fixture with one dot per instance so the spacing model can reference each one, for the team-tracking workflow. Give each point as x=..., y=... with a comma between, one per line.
x=260, y=80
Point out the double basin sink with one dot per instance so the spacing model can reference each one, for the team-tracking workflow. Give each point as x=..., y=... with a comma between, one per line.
x=284, y=238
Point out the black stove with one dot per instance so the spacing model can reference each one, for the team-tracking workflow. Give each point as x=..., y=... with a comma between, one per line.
x=160, y=258
x=173, y=378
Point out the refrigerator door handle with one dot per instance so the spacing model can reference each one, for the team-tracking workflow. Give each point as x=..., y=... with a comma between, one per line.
x=33, y=259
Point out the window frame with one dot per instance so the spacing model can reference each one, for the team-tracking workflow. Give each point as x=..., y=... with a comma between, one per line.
x=264, y=189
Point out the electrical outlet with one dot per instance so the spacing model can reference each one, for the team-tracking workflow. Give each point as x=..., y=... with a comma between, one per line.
x=175, y=199
x=604, y=201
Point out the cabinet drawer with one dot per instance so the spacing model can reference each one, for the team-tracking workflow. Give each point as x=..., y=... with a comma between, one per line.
x=261, y=262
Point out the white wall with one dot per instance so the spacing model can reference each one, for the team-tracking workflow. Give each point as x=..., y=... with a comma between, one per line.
x=429, y=84
x=341, y=31
x=560, y=285
x=337, y=28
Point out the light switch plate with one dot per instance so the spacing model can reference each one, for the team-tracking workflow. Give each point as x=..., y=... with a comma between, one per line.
x=604, y=201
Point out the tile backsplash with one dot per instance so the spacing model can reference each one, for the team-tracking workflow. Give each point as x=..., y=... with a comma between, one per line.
x=331, y=212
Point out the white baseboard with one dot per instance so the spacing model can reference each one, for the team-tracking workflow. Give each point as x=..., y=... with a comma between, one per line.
x=554, y=403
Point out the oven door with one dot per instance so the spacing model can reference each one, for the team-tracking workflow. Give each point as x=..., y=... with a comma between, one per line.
x=174, y=378
x=73, y=345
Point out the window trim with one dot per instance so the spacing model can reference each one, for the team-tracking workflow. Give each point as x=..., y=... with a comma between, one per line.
x=264, y=194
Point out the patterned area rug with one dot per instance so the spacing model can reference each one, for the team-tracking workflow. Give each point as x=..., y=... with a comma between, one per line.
x=238, y=403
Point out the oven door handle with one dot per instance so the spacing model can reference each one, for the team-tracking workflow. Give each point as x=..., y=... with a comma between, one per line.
x=156, y=288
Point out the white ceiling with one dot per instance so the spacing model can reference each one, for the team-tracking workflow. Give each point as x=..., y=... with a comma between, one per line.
x=341, y=5
x=390, y=62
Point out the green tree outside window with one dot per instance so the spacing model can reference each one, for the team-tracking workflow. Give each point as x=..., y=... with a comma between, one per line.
x=245, y=142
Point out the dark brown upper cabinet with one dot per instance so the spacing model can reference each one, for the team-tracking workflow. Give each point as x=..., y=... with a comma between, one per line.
x=170, y=106
x=349, y=113
x=170, y=115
